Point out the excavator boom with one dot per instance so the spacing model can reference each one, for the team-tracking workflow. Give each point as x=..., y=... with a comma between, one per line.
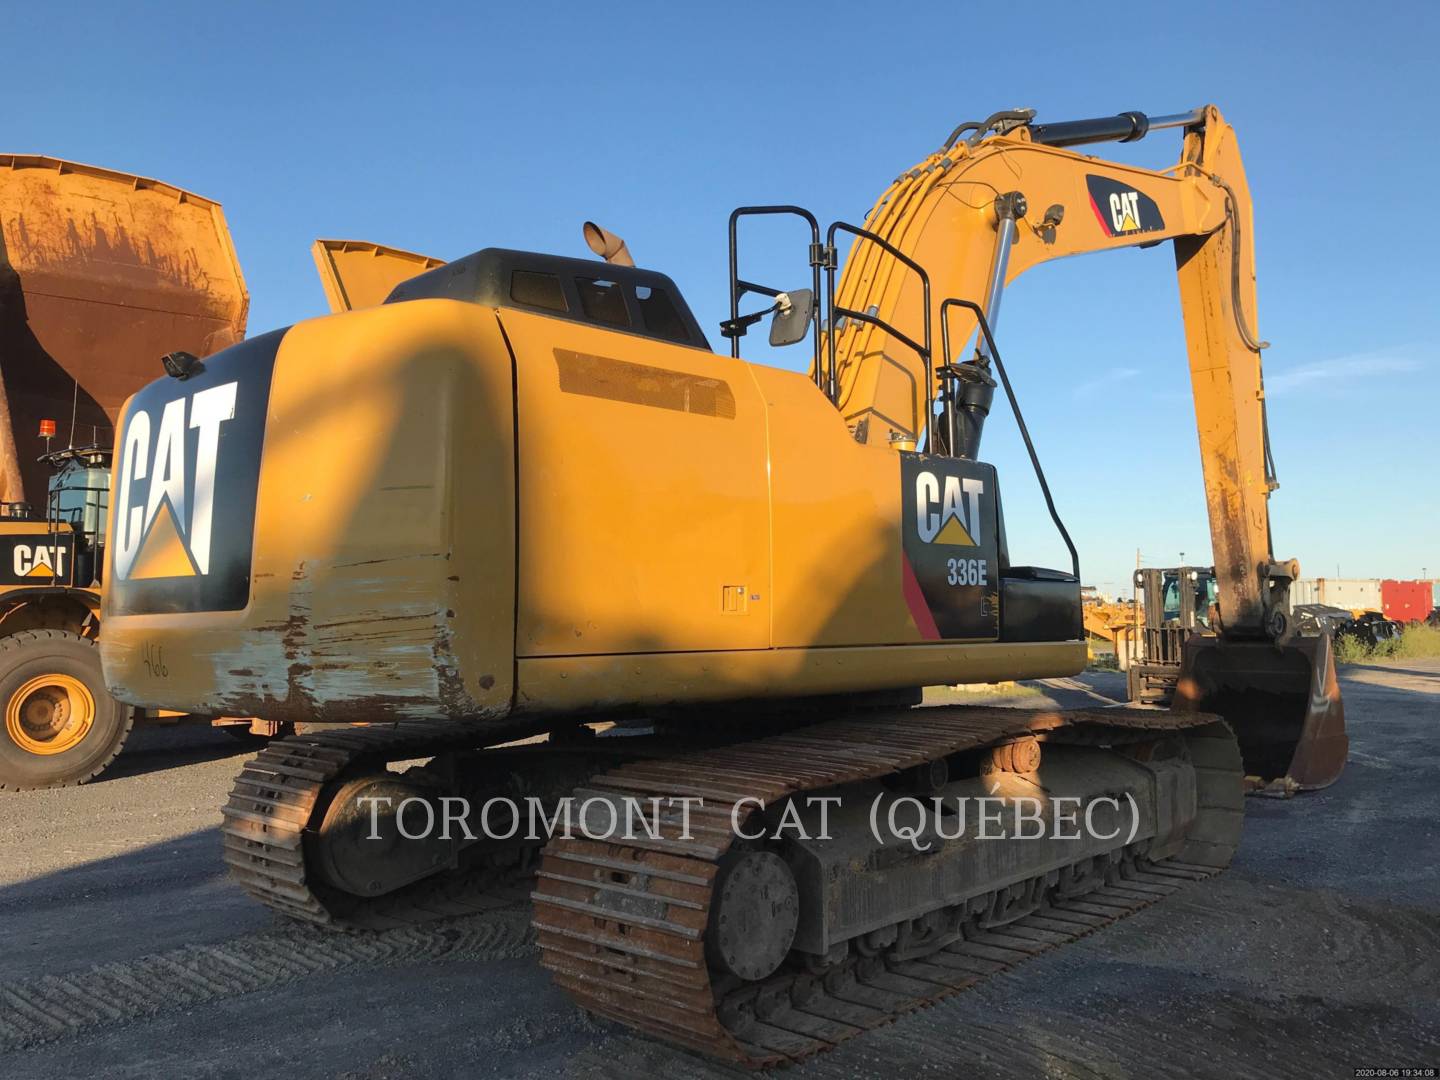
x=979, y=212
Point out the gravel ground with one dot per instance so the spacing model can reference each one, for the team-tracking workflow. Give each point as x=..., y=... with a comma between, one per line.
x=127, y=953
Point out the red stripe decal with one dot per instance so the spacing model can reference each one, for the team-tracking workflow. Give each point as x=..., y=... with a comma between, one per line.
x=915, y=601
x=1101, y=217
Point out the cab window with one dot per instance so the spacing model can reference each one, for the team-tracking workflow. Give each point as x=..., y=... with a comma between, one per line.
x=537, y=290
x=1206, y=596
x=603, y=302
x=1171, y=601
x=658, y=312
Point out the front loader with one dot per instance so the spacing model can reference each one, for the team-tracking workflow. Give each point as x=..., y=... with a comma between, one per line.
x=101, y=273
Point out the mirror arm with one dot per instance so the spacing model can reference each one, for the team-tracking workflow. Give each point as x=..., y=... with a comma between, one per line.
x=737, y=327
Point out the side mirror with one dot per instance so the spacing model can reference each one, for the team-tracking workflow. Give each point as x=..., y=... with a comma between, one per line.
x=792, y=318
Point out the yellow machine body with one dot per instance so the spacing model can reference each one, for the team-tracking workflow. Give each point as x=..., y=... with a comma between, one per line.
x=496, y=503
x=663, y=525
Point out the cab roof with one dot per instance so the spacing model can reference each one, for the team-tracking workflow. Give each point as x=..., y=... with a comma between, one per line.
x=624, y=298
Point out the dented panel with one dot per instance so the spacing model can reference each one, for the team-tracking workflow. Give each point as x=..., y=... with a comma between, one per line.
x=385, y=502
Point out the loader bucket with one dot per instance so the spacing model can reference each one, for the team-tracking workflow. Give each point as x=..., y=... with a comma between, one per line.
x=1283, y=702
x=101, y=273
x=359, y=274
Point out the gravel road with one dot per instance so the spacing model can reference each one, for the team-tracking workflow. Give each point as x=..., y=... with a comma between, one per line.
x=126, y=952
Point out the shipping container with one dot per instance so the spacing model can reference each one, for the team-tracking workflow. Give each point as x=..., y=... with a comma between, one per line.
x=1357, y=594
x=1406, y=601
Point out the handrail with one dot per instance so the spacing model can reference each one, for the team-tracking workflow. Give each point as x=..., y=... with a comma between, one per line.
x=925, y=351
x=738, y=287
x=74, y=517
x=945, y=370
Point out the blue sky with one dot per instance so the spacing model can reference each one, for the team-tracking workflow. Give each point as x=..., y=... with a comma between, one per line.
x=445, y=128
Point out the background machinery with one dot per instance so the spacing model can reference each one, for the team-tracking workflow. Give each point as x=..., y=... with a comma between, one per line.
x=559, y=505
x=101, y=273
x=1103, y=617
x=357, y=274
x=1170, y=606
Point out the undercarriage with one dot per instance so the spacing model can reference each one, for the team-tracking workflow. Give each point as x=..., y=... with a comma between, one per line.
x=754, y=899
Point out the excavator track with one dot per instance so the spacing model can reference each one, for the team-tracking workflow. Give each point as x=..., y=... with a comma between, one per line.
x=623, y=924
x=278, y=798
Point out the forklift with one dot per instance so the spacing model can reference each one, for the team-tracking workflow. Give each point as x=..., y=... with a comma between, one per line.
x=1171, y=604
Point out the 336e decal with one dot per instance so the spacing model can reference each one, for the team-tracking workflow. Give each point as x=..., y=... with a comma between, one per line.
x=949, y=540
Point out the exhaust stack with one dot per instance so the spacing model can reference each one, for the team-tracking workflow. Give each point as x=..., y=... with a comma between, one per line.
x=607, y=245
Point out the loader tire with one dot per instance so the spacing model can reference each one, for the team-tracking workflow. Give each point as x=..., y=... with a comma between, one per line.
x=58, y=724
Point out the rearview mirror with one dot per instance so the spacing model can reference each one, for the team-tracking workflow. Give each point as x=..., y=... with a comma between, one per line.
x=792, y=319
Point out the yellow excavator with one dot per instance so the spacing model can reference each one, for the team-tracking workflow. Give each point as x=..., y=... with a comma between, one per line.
x=522, y=497
x=101, y=272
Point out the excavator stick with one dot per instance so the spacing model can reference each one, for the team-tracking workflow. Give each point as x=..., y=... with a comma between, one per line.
x=1283, y=701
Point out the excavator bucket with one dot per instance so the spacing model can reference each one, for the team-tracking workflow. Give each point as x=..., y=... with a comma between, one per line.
x=359, y=274
x=1283, y=702
x=101, y=273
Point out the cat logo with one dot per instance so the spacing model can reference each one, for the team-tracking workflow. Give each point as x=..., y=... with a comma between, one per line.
x=1125, y=210
x=948, y=512
x=165, y=505
x=1121, y=210
x=40, y=560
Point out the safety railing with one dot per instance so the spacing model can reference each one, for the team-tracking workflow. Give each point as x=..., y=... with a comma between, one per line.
x=735, y=327
x=836, y=313
x=825, y=257
x=946, y=371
